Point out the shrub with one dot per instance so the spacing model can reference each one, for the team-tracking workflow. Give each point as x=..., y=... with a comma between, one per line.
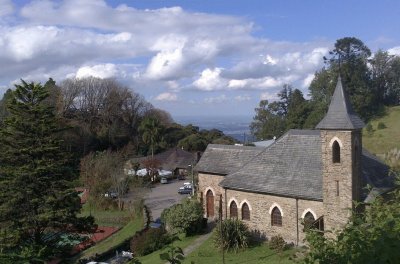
x=148, y=240
x=186, y=217
x=234, y=235
x=369, y=129
x=381, y=125
x=277, y=243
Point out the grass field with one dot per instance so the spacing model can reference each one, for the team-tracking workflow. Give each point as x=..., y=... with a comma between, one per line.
x=109, y=217
x=127, y=231
x=154, y=258
x=207, y=253
x=380, y=141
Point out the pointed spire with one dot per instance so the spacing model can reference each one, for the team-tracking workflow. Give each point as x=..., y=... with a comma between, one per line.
x=340, y=113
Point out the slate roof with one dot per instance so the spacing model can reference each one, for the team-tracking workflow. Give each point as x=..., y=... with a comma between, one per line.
x=225, y=159
x=340, y=113
x=292, y=167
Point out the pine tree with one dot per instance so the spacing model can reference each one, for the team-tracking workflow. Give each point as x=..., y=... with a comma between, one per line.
x=36, y=197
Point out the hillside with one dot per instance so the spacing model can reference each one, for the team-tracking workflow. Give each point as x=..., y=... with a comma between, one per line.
x=380, y=141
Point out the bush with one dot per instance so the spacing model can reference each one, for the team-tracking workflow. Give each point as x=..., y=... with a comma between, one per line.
x=148, y=240
x=369, y=129
x=277, y=243
x=186, y=217
x=235, y=235
x=381, y=125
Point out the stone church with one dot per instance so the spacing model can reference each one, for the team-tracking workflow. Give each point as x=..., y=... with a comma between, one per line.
x=306, y=176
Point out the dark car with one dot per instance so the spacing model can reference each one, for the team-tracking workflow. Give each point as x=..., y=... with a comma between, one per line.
x=185, y=190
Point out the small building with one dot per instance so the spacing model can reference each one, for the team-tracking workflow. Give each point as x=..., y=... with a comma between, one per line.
x=306, y=175
x=175, y=160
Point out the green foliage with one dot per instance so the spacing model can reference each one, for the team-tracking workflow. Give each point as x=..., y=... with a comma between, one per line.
x=273, y=119
x=277, y=243
x=36, y=194
x=231, y=235
x=174, y=255
x=186, y=217
x=381, y=125
x=151, y=130
x=148, y=240
x=370, y=237
x=369, y=129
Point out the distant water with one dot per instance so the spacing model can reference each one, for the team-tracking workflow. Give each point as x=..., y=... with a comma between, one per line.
x=237, y=127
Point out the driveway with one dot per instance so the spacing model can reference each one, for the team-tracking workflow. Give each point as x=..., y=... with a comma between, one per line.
x=163, y=196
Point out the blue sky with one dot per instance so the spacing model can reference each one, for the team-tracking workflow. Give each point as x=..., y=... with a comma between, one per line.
x=189, y=57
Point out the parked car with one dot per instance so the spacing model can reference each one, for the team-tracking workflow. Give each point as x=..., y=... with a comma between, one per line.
x=185, y=190
x=164, y=180
x=181, y=177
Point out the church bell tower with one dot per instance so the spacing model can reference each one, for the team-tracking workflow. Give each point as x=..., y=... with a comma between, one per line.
x=341, y=144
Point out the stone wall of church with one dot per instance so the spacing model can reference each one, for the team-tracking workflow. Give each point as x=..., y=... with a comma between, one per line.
x=261, y=206
x=210, y=182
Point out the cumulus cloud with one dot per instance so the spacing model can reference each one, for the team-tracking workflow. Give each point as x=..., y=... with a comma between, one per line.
x=164, y=48
x=107, y=70
x=210, y=80
x=167, y=97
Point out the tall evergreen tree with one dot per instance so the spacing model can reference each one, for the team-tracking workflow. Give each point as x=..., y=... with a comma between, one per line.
x=36, y=197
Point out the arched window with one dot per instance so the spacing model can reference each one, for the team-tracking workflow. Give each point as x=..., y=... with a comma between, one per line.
x=233, y=211
x=335, y=152
x=308, y=220
x=276, y=217
x=245, y=212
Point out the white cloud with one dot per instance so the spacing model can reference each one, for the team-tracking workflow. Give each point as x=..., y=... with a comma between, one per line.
x=307, y=81
x=394, y=51
x=6, y=7
x=167, y=97
x=216, y=100
x=165, y=48
x=242, y=98
x=269, y=96
x=103, y=71
x=210, y=80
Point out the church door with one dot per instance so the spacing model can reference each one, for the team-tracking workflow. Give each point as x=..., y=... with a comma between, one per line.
x=210, y=203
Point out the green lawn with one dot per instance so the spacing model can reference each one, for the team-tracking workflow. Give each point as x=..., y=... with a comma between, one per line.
x=383, y=140
x=126, y=232
x=154, y=258
x=207, y=253
x=108, y=217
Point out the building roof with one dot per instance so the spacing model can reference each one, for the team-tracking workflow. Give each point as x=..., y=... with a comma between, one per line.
x=340, y=113
x=176, y=158
x=292, y=167
x=264, y=143
x=171, y=159
x=225, y=159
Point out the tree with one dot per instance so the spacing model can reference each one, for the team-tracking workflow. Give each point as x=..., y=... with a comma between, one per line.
x=151, y=130
x=186, y=217
x=35, y=184
x=268, y=121
x=349, y=58
x=370, y=237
